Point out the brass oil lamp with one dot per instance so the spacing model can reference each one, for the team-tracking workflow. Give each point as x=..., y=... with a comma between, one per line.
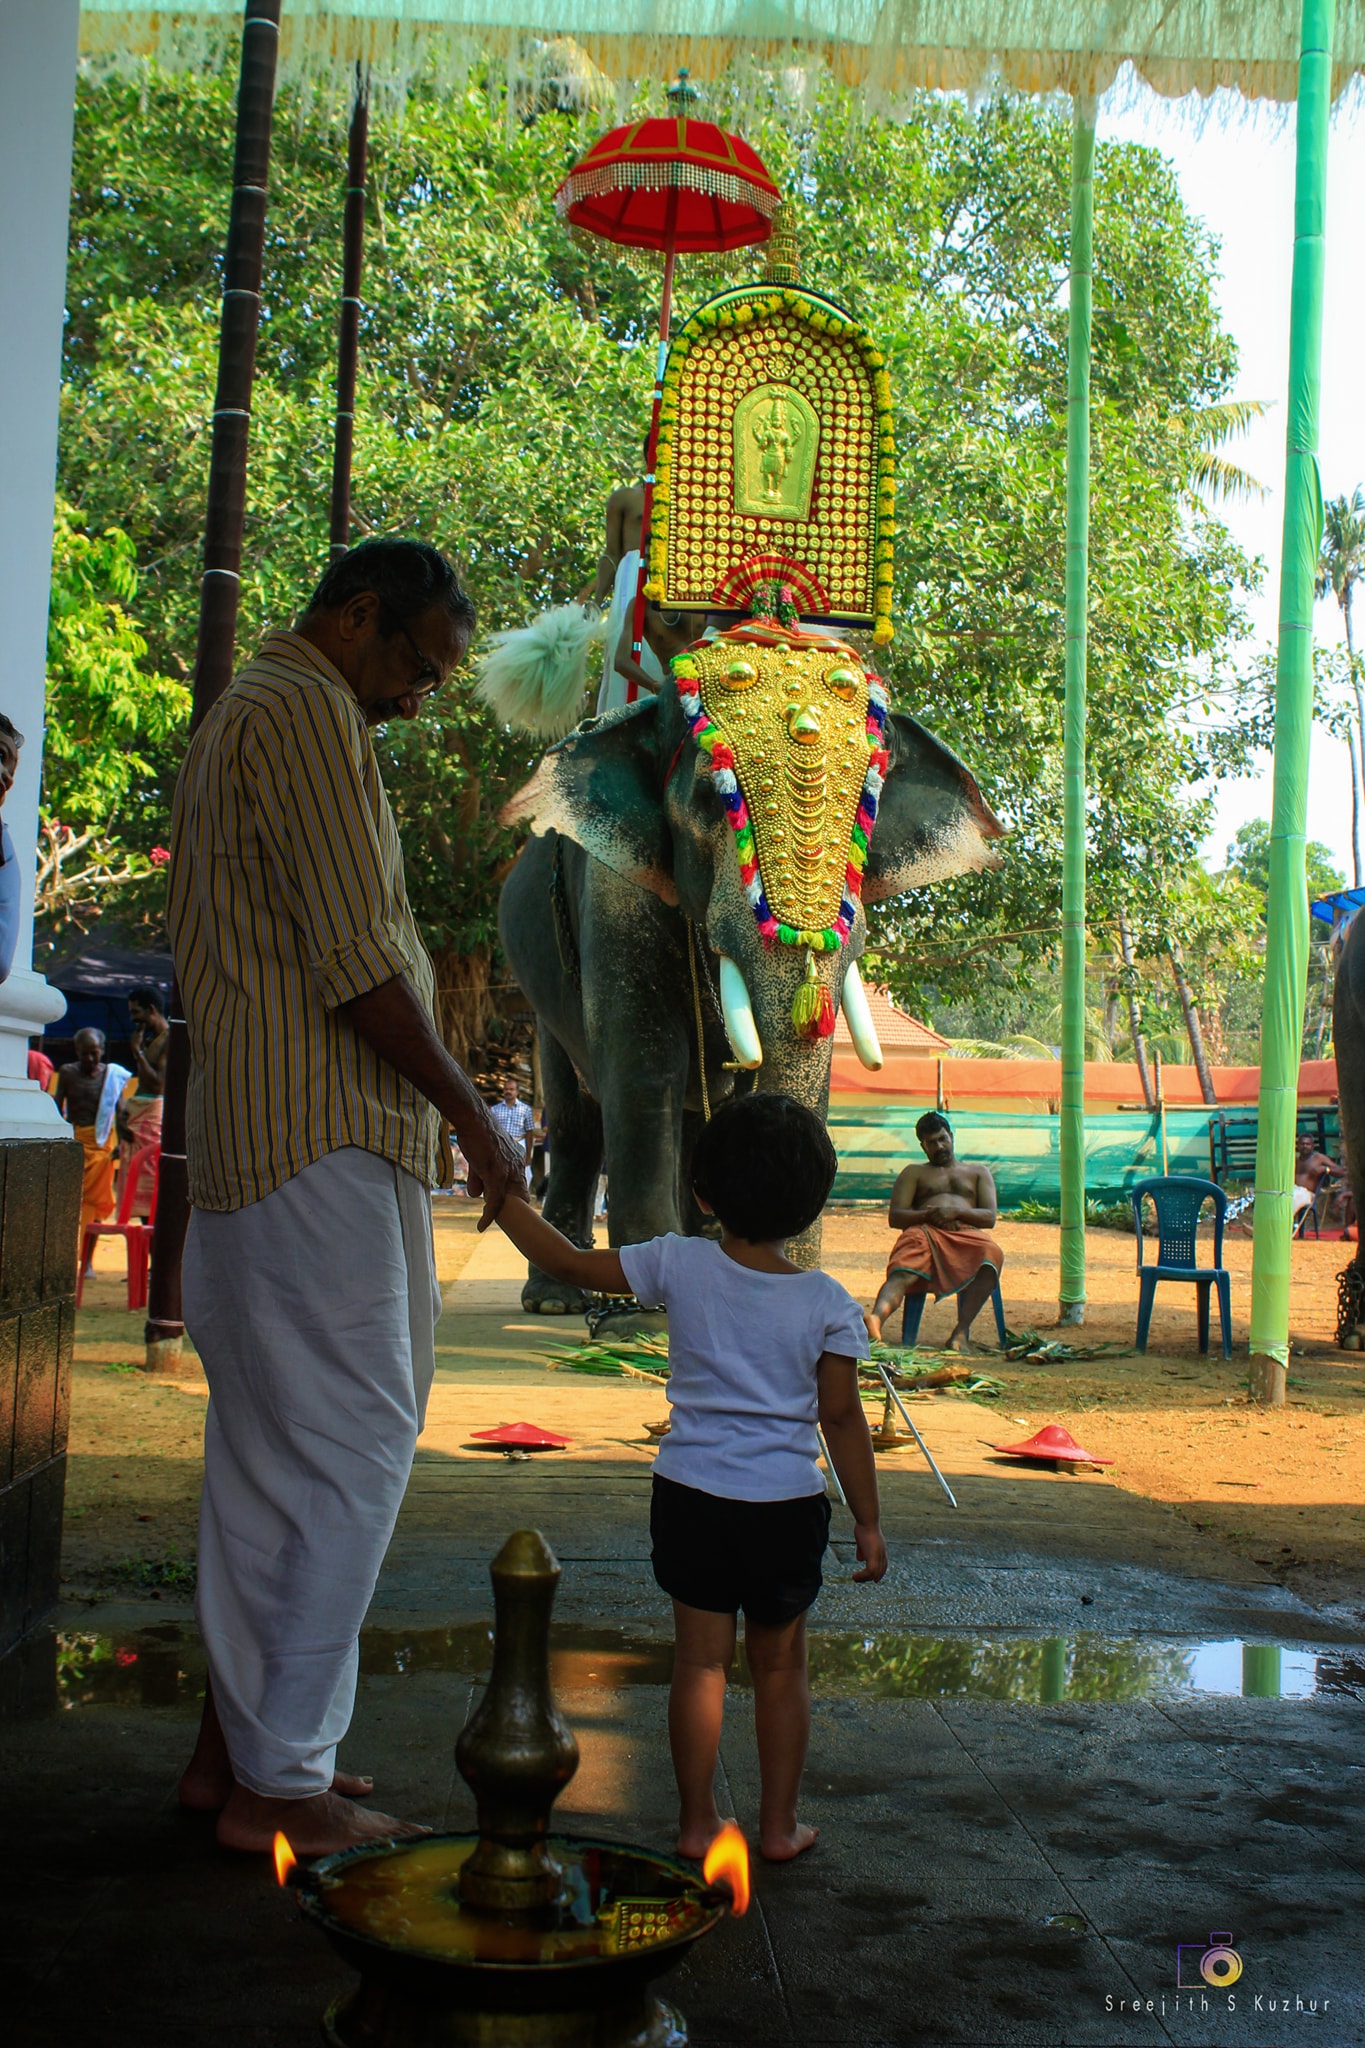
x=514, y=1937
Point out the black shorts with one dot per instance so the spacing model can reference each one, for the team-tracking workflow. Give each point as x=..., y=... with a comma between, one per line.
x=721, y=1555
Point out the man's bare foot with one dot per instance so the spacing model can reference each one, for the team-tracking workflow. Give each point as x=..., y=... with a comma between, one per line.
x=960, y=1341
x=314, y=1827
x=782, y=1848
x=205, y=1790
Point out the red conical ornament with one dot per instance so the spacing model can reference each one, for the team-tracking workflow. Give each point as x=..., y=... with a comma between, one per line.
x=522, y=1436
x=1051, y=1445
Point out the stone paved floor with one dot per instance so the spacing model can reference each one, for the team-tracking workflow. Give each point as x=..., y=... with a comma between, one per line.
x=990, y=1871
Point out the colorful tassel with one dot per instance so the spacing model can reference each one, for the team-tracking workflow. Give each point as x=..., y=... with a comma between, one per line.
x=813, y=1008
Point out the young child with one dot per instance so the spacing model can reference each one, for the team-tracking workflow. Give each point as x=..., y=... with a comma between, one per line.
x=758, y=1351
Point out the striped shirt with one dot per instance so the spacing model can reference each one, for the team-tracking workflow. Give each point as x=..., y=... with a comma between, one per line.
x=286, y=899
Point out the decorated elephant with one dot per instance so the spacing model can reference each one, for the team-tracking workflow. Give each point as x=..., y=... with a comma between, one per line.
x=637, y=919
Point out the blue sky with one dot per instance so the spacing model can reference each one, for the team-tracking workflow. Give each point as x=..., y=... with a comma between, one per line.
x=1236, y=170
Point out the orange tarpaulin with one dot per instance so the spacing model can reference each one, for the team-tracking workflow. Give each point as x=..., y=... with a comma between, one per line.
x=1039, y=1082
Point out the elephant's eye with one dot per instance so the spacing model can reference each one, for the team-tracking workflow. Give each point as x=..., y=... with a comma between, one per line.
x=844, y=683
x=740, y=675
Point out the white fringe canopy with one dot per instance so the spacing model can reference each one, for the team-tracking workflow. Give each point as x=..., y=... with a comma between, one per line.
x=888, y=47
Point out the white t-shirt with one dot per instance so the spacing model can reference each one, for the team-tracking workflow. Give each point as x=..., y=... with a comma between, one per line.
x=742, y=1352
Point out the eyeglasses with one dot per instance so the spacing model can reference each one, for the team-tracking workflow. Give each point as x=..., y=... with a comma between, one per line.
x=427, y=671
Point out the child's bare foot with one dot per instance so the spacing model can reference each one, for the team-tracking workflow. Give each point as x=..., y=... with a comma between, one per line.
x=961, y=1342
x=696, y=1836
x=314, y=1827
x=208, y=1790
x=782, y=1848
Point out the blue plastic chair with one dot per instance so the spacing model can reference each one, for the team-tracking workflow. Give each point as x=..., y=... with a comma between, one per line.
x=1178, y=1199
x=914, y=1310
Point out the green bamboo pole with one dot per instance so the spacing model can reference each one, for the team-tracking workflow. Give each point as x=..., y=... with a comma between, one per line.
x=1286, y=953
x=1072, y=1132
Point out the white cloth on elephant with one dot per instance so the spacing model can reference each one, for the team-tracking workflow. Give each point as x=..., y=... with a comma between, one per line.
x=612, y=694
x=314, y=1312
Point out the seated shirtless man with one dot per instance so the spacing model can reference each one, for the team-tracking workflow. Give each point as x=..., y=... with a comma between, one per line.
x=942, y=1211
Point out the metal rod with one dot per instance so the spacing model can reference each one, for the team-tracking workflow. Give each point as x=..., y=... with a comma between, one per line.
x=223, y=526
x=889, y=1384
x=839, y=1493
x=1071, y=1286
x=1286, y=949
x=348, y=325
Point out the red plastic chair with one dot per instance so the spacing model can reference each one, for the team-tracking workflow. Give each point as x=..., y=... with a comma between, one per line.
x=137, y=1236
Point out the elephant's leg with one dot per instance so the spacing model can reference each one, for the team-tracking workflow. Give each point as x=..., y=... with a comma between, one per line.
x=575, y=1123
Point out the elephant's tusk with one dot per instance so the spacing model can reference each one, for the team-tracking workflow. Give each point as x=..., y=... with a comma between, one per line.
x=859, y=1019
x=738, y=1012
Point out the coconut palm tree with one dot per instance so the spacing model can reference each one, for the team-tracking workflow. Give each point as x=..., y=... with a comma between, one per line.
x=1203, y=429
x=1341, y=566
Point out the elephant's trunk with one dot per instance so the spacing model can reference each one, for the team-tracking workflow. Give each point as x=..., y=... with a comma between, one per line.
x=858, y=1018
x=738, y=1011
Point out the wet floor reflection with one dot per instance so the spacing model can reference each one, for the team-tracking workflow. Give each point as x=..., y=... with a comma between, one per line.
x=163, y=1666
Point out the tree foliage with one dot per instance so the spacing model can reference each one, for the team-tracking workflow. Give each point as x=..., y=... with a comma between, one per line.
x=108, y=716
x=504, y=389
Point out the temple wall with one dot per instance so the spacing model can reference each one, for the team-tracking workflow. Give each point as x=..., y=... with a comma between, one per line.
x=40, y=1199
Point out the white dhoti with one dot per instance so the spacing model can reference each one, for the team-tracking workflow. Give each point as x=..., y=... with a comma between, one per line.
x=314, y=1312
x=620, y=618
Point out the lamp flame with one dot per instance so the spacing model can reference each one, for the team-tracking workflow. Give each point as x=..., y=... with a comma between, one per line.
x=285, y=1859
x=727, y=1862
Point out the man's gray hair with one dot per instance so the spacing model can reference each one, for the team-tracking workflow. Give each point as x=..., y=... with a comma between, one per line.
x=407, y=576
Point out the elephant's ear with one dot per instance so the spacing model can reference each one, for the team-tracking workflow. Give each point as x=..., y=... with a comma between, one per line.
x=603, y=788
x=932, y=820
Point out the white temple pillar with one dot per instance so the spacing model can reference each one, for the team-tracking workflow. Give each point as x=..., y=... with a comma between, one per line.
x=38, y=51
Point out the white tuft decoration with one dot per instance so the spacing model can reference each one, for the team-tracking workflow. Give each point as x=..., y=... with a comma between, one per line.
x=534, y=677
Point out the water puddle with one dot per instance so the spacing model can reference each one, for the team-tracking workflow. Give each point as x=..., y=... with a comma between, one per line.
x=163, y=1666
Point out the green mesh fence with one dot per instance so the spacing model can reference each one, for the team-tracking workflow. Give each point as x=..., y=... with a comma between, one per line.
x=1023, y=1152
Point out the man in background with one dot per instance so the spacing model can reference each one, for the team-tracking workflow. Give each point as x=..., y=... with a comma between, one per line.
x=942, y=1210
x=516, y=1120
x=87, y=1094
x=11, y=881
x=140, y=1113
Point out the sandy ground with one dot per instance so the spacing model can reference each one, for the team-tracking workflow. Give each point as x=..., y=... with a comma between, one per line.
x=1283, y=1487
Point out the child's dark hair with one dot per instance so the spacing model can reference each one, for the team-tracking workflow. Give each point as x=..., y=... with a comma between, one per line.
x=765, y=1165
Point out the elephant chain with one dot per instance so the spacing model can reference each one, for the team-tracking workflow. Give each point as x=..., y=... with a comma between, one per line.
x=569, y=958
x=1350, y=1300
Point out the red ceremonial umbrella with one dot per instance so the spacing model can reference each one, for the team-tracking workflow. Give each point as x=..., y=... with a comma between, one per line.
x=671, y=184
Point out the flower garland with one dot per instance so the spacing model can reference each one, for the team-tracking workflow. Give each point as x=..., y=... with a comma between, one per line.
x=720, y=761
x=733, y=311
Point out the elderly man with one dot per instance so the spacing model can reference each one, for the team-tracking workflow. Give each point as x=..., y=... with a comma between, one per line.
x=88, y=1092
x=942, y=1211
x=317, y=1088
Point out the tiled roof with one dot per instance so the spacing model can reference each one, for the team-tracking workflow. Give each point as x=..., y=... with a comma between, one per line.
x=894, y=1027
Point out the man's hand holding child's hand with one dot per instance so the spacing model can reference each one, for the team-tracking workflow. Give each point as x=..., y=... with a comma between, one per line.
x=871, y=1550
